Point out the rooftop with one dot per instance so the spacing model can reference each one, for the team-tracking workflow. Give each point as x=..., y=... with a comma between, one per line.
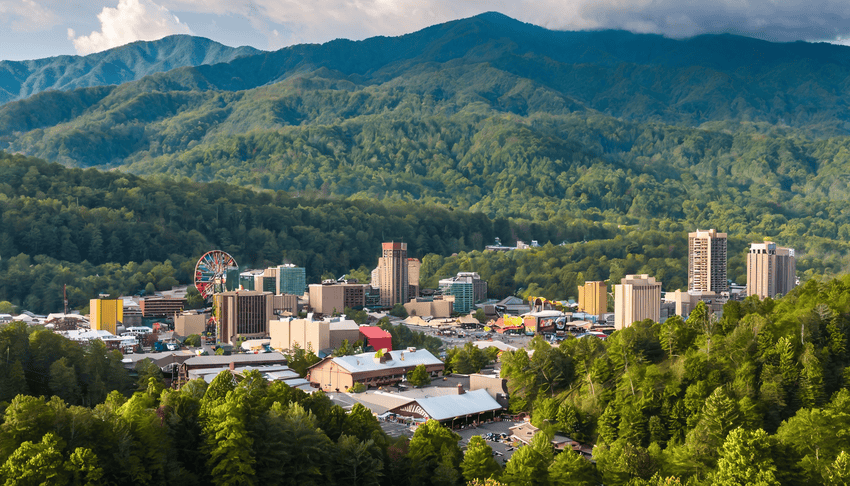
x=359, y=363
x=235, y=358
x=449, y=406
x=373, y=332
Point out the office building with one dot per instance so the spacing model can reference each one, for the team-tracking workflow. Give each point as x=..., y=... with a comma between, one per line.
x=329, y=297
x=467, y=289
x=162, y=306
x=106, y=314
x=393, y=274
x=243, y=314
x=593, y=298
x=707, y=262
x=292, y=280
x=771, y=270
x=636, y=298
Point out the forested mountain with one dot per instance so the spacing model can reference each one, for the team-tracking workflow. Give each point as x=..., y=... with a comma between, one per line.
x=491, y=115
x=111, y=232
x=21, y=79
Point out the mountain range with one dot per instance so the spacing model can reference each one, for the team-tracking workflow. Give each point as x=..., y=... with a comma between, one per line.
x=22, y=79
x=493, y=115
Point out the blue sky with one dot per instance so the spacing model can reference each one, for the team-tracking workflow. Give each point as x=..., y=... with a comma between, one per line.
x=31, y=29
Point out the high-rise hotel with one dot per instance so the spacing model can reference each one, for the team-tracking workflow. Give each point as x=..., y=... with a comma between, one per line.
x=707, y=262
x=393, y=274
x=771, y=270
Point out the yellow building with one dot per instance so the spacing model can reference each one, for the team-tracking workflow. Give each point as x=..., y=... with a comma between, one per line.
x=106, y=314
x=593, y=298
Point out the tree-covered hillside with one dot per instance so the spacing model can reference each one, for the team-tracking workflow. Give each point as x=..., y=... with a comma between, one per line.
x=759, y=396
x=21, y=79
x=112, y=232
x=490, y=115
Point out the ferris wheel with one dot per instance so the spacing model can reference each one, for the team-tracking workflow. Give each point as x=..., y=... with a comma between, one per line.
x=211, y=272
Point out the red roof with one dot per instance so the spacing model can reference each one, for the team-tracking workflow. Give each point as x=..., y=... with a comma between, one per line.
x=374, y=332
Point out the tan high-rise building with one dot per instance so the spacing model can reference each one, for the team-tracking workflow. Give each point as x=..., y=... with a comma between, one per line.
x=771, y=270
x=593, y=298
x=243, y=313
x=707, y=262
x=636, y=298
x=394, y=276
x=413, y=265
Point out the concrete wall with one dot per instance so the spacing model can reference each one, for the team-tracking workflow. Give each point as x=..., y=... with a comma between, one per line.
x=286, y=333
x=185, y=325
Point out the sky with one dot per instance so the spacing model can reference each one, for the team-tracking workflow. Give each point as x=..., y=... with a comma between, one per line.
x=32, y=29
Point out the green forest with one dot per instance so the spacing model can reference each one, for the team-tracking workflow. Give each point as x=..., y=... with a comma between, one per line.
x=108, y=232
x=758, y=396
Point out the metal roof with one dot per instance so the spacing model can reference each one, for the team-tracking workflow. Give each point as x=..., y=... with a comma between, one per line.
x=380, y=402
x=450, y=406
x=494, y=344
x=262, y=369
x=359, y=363
x=234, y=358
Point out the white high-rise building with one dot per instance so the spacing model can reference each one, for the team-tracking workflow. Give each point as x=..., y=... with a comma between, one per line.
x=707, y=262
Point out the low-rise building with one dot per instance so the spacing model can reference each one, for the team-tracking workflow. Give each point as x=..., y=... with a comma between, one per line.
x=371, y=369
x=191, y=322
x=463, y=406
x=162, y=306
x=288, y=333
x=376, y=337
x=438, y=306
x=333, y=297
x=322, y=335
x=233, y=362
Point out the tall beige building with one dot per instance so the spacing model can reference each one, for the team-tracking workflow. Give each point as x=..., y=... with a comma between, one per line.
x=636, y=298
x=707, y=262
x=393, y=271
x=413, y=266
x=771, y=270
x=243, y=314
x=593, y=298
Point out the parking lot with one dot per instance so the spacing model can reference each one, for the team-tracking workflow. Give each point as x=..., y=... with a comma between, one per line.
x=470, y=335
x=394, y=429
x=503, y=449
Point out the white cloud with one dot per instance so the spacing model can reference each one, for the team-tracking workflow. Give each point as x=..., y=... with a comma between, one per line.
x=26, y=15
x=130, y=21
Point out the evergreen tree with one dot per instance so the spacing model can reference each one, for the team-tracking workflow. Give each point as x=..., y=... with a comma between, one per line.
x=478, y=461
x=570, y=468
x=419, y=376
x=745, y=460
